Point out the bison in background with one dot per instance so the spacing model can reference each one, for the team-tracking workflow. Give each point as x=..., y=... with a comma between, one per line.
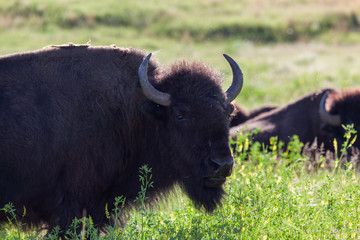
x=240, y=114
x=316, y=116
x=338, y=108
x=77, y=122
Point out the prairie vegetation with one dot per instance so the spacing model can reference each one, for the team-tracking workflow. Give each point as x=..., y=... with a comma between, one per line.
x=286, y=48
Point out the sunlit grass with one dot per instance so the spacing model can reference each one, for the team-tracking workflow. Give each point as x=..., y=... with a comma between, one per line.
x=203, y=30
x=272, y=194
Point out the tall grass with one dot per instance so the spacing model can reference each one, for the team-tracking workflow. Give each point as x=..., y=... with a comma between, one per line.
x=271, y=194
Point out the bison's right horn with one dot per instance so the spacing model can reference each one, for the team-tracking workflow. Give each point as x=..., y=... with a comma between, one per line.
x=331, y=119
x=237, y=81
x=149, y=91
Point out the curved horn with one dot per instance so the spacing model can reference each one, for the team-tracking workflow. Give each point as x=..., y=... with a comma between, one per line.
x=331, y=119
x=237, y=82
x=149, y=91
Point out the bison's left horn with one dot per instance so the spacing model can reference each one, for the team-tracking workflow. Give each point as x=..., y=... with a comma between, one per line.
x=237, y=81
x=149, y=91
x=331, y=119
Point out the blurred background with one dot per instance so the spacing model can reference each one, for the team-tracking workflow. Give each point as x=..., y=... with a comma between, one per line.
x=286, y=48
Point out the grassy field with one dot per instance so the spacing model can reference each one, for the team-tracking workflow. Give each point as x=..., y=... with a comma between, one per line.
x=295, y=45
x=272, y=195
x=286, y=48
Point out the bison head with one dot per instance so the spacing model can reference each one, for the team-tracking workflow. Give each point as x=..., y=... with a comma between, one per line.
x=192, y=115
x=340, y=108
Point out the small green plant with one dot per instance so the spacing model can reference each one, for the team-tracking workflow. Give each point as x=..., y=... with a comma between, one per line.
x=146, y=183
x=15, y=227
x=53, y=234
x=73, y=231
x=242, y=142
x=111, y=229
x=349, y=133
x=293, y=150
x=9, y=209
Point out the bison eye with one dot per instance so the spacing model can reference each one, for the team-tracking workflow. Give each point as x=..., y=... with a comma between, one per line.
x=180, y=114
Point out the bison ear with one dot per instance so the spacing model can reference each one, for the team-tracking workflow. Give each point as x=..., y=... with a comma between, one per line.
x=154, y=110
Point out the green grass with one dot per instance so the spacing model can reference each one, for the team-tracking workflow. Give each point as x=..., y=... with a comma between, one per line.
x=197, y=20
x=271, y=195
x=286, y=48
x=257, y=37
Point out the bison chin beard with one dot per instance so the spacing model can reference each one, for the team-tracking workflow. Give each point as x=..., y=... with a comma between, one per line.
x=200, y=195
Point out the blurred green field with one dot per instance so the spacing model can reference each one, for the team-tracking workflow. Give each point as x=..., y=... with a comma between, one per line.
x=286, y=48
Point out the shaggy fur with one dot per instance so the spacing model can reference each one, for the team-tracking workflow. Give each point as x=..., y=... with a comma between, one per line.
x=345, y=103
x=75, y=127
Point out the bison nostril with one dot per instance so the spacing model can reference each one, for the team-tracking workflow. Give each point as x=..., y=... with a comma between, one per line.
x=223, y=167
x=228, y=161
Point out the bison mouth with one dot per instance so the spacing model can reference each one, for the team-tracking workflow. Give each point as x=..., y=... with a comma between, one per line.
x=214, y=182
x=219, y=170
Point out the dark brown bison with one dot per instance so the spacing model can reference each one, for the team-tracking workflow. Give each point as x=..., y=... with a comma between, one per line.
x=300, y=117
x=318, y=115
x=338, y=108
x=240, y=114
x=77, y=122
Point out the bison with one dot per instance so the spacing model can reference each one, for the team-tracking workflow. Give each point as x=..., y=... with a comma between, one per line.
x=240, y=114
x=339, y=108
x=77, y=122
x=300, y=117
x=318, y=115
